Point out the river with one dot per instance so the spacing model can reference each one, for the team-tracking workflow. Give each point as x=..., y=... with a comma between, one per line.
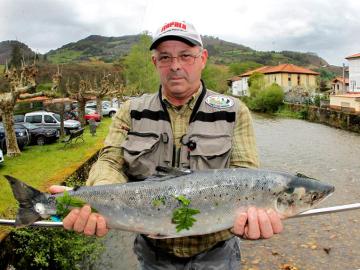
x=329, y=242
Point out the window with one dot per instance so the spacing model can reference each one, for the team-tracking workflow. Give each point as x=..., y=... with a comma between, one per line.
x=298, y=79
x=49, y=119
x=289, y=79
x=34, y=119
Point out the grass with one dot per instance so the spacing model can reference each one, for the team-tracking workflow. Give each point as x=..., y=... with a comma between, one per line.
x=64, y=56
x=286, y=113
x=42, y=166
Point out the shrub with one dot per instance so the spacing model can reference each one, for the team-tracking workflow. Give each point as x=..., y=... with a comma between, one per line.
x=268, y=100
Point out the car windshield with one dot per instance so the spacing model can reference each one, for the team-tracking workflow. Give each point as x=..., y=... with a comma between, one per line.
x=57, y=116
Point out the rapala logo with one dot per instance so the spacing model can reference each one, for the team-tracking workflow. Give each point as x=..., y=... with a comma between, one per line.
x=175, y=25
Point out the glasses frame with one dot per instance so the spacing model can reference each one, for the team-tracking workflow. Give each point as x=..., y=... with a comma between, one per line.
x=179, y=61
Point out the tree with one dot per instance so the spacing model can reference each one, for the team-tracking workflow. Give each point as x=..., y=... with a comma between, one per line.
x=139, y=70
x=215, y=77
x=21, y=81
x=256, y=83
x=80, y=91
x=16, y=57
x=105, y=89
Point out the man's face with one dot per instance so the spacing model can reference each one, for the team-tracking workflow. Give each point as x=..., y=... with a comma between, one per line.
x=180, y=77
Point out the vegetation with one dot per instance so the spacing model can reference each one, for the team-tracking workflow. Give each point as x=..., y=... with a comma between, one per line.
x=139, y=70
x=241, y=67
x=215, y=77
x=268, y=100
x=52, y=163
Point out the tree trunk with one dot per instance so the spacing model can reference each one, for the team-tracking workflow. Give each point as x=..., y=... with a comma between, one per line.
x=99, y=106
x=81, y=109
x=62, y=112
x=10, y=137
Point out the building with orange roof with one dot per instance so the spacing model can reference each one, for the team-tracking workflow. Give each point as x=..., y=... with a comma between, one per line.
x=287, y=76
x=354, y=72
x=340, y=85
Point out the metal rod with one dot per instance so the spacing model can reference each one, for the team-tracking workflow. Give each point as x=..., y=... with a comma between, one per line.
x=312, y=212
x=328, y=210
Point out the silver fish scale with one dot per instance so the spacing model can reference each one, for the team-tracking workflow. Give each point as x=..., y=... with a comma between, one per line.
x=148, y=206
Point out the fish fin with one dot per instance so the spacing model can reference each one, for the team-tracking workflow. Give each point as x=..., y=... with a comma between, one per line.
x=304, y=176
x=27, y=197
x=173, y=171
x=160, y=236
x=25, y=217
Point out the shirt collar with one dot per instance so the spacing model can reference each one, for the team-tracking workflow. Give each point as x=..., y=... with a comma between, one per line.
x=190, y=103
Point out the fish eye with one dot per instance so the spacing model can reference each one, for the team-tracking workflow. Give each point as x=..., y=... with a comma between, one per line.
x=314, y=196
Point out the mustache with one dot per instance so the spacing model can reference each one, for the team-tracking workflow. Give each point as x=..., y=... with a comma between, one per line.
x=177, y=74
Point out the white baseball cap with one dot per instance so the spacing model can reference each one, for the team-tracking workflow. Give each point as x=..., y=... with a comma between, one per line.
x=175, y=30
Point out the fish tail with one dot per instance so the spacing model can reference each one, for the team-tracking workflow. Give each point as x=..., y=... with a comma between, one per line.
x=27, y=197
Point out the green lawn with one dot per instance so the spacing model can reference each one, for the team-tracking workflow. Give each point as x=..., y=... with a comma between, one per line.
x=41, y=166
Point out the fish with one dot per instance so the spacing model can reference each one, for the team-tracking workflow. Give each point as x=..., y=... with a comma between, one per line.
x=211, y=199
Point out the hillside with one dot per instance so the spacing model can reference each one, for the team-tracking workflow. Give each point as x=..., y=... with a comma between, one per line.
x=6, y=48
x=110, y=49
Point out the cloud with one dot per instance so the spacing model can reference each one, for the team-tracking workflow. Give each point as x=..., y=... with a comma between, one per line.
x=329, y=28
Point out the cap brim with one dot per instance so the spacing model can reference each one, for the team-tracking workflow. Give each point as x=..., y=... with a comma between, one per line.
x=186, y=40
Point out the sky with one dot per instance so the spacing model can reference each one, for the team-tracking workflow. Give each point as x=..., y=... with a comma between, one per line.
x=329, y=28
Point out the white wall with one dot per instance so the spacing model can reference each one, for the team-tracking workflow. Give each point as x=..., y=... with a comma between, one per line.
x=354, y=75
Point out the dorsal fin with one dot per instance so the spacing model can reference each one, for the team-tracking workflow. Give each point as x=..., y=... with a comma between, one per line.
x=173, y=171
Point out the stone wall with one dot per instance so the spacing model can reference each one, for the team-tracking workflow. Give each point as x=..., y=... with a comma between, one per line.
x=339, y=119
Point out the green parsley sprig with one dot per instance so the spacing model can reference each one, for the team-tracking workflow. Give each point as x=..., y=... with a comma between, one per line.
x=66, y=202
x=183, y=216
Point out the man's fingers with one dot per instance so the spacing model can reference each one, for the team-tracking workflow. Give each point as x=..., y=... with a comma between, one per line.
x=253, y=229
x=70, y=219
x=90, y=226
x=84, y=214
x=58, y=189
x=266, y=230
x=275, y=221
x=101, y=229
x=240, y=223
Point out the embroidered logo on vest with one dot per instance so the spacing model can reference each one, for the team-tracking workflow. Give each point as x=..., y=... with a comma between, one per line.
x=219, y=101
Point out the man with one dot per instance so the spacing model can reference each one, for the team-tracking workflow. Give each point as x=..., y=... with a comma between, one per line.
x=183, y=125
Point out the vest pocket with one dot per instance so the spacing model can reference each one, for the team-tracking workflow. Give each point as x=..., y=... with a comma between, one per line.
x=209, y=151
x=143, y=152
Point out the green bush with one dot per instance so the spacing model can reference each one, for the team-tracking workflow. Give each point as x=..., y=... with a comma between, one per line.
x=53, y=248
x=267, y=100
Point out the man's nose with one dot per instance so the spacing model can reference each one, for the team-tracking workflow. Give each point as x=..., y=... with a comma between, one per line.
x=175, y=64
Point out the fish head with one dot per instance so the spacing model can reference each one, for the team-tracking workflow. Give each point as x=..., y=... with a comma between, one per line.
x=301, y=194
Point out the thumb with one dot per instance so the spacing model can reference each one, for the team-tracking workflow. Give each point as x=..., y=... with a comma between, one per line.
x=58, y=189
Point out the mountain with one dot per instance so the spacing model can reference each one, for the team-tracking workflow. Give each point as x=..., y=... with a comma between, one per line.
x=109, y=49
x=6, y=49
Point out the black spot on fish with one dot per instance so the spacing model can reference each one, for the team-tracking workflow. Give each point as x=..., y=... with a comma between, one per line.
x=246, y=198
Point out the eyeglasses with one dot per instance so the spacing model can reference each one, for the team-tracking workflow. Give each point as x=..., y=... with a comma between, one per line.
x=183, y=59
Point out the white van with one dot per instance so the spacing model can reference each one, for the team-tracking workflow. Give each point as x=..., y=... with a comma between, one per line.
x=50, y=120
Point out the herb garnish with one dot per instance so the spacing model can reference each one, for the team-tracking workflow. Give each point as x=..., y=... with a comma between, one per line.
x=158, y=202
x=183, y=216
x=65, y=202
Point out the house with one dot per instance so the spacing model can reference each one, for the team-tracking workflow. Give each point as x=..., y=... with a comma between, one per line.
x=349, y=102
x=354, y=72
x=287, y=76
x=339, y=85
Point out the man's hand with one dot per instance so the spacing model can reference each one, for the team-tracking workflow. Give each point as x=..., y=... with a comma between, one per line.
x=257, y=223
x=81, y=220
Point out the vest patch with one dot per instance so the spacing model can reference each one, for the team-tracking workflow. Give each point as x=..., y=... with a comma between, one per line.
x=219, y=101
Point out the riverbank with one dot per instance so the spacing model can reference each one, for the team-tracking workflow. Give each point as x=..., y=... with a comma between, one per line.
x=324, y=115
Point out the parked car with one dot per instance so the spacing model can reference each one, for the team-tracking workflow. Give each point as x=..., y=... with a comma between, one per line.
x=41, y=135
x=1, y=157
x=89, y=114
x=106, y=109
x=22, y=137
x=19, y=118
x=51, y=120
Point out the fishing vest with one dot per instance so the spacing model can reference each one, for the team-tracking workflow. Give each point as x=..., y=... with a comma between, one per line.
x=206, y=145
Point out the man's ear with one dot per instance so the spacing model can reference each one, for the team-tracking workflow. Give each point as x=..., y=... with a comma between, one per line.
x=153, y=59
x=204, y=57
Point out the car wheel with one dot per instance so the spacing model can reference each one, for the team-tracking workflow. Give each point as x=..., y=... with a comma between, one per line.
x=111, y=114
x=40, y=140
